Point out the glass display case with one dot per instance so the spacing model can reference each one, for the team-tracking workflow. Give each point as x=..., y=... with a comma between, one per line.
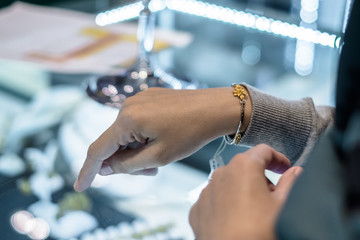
x=289, y=49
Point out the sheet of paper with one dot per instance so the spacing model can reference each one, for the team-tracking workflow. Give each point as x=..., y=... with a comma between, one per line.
x=67, y=41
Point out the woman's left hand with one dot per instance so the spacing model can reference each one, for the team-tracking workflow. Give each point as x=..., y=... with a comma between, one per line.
x=240, y=202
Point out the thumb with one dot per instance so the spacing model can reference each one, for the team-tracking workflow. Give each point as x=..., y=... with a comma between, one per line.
x=286, y=182
x=135, y=161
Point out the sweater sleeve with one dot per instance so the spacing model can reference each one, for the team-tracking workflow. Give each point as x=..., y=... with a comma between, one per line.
x=291, y=127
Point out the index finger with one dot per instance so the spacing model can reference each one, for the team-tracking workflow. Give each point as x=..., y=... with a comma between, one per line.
x=269, y=158
x=105, y=146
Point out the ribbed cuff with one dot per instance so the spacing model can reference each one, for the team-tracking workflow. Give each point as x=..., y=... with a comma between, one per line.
x=282, y=124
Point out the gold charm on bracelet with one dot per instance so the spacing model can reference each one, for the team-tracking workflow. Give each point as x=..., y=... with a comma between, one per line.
x=239, y=91
x=238, y=138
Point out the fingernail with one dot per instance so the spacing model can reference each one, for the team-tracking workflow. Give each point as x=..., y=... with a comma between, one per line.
x=106, y=170
x=298, y=171
x=76, y=185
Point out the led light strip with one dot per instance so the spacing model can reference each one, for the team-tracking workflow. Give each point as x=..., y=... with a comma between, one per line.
x=223, y=14
x=119, y=14
x=127, y=12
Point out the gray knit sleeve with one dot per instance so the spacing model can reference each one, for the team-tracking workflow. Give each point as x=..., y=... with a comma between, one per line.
x=291, y=127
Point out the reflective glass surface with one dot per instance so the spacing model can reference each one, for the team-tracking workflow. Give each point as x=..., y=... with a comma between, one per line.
x=47, y=121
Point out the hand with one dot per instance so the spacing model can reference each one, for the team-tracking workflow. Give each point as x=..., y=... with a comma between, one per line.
x=166, y=125
x=240, y=202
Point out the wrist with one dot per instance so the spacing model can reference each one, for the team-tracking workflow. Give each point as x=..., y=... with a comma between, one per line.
x=222, y=111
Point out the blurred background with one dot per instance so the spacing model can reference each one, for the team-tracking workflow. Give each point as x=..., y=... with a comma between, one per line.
x=288, y=48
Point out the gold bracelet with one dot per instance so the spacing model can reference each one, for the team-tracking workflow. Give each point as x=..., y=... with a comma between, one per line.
x=240, y=92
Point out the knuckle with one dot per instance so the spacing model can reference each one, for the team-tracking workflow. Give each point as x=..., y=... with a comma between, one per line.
x=126, y=103
x=131, y=113
x=91, y=151
x=118, y=165
x=264, y=147
x=259, y=151
x=155, y=89
x=130, y=101
x=141, y=93
x=241, y=160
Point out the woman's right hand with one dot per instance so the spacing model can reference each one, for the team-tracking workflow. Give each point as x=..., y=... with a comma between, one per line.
x=166, y=125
